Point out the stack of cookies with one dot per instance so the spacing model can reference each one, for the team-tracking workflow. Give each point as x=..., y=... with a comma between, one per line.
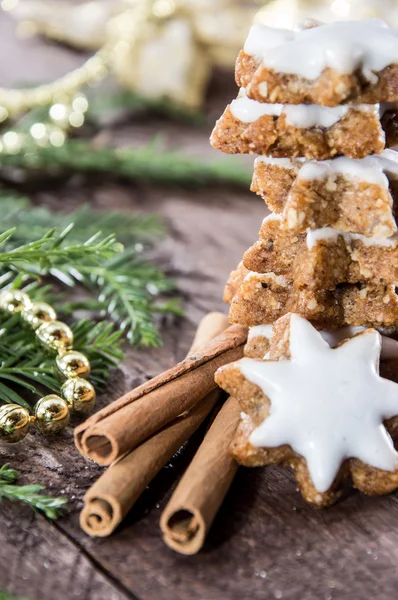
x=318, y=105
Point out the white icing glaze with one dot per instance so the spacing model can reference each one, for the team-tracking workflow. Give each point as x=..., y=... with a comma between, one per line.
x=260, y=331
x=328, y=233
x=272, y=217
x=305, y=116
x=369, y=45
x=261, y=38
x=323, y=233
x=372, y=169
x=278, y=279
x=327, y=404
x=302, y=116
x=247, y=111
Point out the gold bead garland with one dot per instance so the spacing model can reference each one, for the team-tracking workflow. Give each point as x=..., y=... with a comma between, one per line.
x=38, y=313
x=52, y=412
x=67, y=105
x=55, y=336
x=124, y=37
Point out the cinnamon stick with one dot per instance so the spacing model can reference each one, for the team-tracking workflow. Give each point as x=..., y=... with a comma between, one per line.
x=113, y=495
x=115, y=492
x=191, y=510
x=124, y=424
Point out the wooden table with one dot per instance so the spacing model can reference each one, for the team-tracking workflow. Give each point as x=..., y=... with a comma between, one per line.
x=265, y=543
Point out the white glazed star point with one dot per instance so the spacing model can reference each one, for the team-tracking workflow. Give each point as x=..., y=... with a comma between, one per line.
x=327, y=404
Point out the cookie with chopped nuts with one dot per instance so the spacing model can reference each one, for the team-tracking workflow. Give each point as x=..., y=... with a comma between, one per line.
x=263, y=298
x=357, y=196
x=355, y=62
x=247, y=127
x=323, y=258
x=298, y=411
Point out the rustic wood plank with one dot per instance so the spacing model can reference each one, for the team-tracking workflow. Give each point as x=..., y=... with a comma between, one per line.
x=265, y=543
x=39, y=562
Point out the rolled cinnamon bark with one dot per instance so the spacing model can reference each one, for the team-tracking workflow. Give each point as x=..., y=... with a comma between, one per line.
x=124, y=424
x=112, y=496
x=191, y=510
x=211, y=326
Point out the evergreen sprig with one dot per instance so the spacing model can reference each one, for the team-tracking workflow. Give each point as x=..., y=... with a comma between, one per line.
x=52, y=507
x=4, y=595
x=41, y=256
x=119, y=282
x=152, y=163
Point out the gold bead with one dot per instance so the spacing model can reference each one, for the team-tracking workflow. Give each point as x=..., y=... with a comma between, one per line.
x=73, y=364
x=51, y=414
x=55, y=336
x=14, y=301
x=38, y=313
x=79, y=394
x=14, y=423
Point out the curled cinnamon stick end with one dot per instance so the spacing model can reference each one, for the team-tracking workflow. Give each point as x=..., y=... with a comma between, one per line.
x=127, y=422
x=112, y=496
x=191, y=510
x=100, y=516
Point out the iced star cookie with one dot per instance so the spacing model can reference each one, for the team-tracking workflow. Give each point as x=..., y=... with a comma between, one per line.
x=322, y=258
x=262, y=298
x=355, y=195
x=250, y=127
x=331, y=64
x=323, y=411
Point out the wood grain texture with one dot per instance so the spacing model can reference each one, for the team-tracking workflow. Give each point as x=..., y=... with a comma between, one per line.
x=265, y=543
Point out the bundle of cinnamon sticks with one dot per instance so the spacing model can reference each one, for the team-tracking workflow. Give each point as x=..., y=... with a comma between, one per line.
x=140, y=432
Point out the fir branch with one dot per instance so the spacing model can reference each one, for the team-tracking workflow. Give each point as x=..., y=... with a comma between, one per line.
x=45, y=254
x=4, y=595
x=33, y=222
x=52, y=507
x=121, y=284
x=151, y=163
x=128, y=289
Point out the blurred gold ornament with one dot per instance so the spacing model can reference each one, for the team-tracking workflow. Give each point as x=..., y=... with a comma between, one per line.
x=158, y=48
x=38, y=313
x=56, y=336
x=14, y=423
x=79, y=394
x=73, y=364
x=51, y=414
x=14, y=301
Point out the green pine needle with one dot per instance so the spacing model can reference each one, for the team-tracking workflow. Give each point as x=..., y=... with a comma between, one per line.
x=41, y=256
x=7, y=596
x=52, y=507
x=152, y=163
x=118, y=283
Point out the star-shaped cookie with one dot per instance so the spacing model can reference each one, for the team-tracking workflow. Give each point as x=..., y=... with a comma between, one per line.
x=324, y=411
